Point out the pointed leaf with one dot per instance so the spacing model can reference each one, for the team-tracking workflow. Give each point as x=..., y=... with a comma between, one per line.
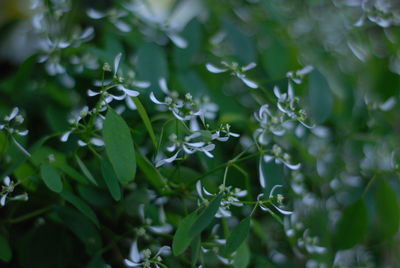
x=119, y=146
x=85, y=170
x=321, y=99
x=5, y=250
x=51, y=178
x=110, y=179
x=387, y=209
x=181, y=238
x=237, y=236
x=146, y=120
x=242, y=257
x=151, y=173
x=206, y=216
x=352, y=226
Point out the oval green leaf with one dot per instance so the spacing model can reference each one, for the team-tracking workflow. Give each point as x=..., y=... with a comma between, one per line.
x=352, y=226
x=206, y=216
x=5, y=250
x=321, y=99
x=119, y=146
x=388, y=210
x=237, y=236
x=110, y=179
x=51, y=178
x=181, y=238
x=242, y=257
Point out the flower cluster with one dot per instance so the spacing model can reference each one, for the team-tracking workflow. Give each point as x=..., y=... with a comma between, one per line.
x=230, y=198
x=190, y=110
x=11, y=125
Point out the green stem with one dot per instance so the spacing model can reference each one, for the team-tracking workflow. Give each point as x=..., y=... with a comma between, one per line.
x=31, y=215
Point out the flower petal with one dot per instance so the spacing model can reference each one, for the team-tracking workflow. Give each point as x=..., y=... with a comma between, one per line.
x=116, y=62
x=94, y=14
x=92, y=93
x=249, y=66
x=177, y=40
x=284, y=212
x=163, y=85
x=154, y=99
x=248, y=82
x=12, y=115
x=213, y=69
x=167, y=160
x=141, y=84
x=162, y=229
x=134, y=252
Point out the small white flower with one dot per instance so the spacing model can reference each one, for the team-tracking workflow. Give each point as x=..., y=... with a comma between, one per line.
x=235, y=70
x=143, y=258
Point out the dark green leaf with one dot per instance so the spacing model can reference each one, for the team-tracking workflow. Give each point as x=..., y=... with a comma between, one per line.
x=388, y=210
x=81, y=227
x=5, y=250
x=119, y=146
x=321, y=99
x=151, y=64
x=181, y=238
x=151, y=173
x=242, y=257
x=352, y=226
x=143, y=114
x=237, y=236
x=206, y=216
x=110, y=179
x=51, y=178
x=81, y=206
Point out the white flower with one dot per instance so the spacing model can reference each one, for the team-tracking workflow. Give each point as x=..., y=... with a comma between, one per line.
x=270, y=199
x=269, y=123
x=188, y=146
x=224, y=133
x=113, y=15
x=143, y=258
x=280, y=157
x=183, y=109
x=234, y=70
x=163, y=228
x=231, y=197
x=297, y=76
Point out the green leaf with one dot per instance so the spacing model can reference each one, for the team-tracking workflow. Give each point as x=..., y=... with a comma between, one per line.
x=352, y=226
x=320, y=97
x=143, y=114
x=85, y=170
x=242, y=257
x=51, y=178
x=388, y=210
x=151, y=64
x=110, y=179
x=151, y=173
x=196, y=250
x=181, y=238
x=206, y=216
x=81, y=227
x=5, y=250
x=237, y=236
x=119, y=146
x=81, y=206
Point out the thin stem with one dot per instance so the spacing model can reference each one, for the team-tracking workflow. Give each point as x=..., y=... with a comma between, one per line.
x=30, y=215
